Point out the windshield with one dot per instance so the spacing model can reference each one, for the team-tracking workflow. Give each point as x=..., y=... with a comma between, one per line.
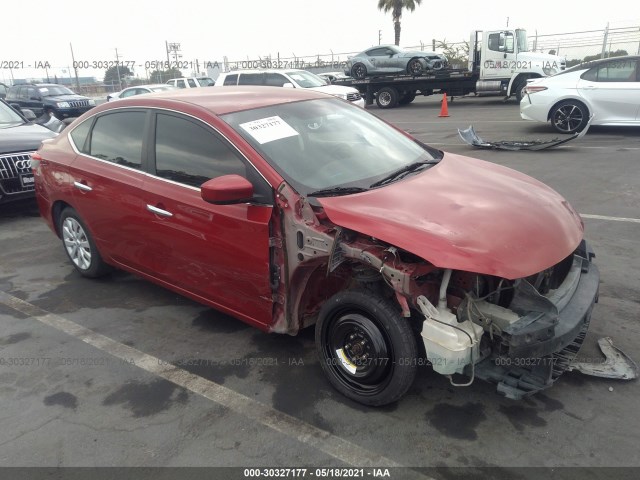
x=162, y=88
x=205, y=82
x=326, y=143
x=521, y=38
x=306, y=79
x=53, y=90
x=8, y=116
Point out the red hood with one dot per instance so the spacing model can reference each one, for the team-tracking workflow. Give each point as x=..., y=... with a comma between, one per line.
x=467, y=214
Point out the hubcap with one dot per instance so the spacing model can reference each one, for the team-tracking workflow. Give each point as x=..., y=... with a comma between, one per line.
x=568, y=118
x=76, y=242
x=359, y=352
x=385, y=98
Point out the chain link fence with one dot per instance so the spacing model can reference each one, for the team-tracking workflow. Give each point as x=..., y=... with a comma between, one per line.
x=576, y=47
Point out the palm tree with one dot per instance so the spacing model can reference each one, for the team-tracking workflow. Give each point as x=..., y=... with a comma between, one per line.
x=396, y=7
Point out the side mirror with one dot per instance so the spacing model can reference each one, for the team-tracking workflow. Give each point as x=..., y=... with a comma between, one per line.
x=226, y=190
x=288, y=85
x=28, y=114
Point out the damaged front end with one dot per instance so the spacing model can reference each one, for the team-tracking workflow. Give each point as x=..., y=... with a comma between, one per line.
x=520, y=334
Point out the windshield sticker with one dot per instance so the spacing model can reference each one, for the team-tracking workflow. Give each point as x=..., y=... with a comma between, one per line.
x=268, y=129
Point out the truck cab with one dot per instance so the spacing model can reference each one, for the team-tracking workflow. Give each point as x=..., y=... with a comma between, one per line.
x=504, y=62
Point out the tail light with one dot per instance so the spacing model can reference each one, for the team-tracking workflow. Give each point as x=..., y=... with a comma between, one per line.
x=534, y=88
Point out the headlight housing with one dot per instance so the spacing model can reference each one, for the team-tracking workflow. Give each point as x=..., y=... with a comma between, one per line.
x=92, y=103
x=548, y=71
x=62, y=104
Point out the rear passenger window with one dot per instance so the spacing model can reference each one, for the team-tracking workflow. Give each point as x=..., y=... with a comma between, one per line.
x=181, y=84
x=251, y=79
x=117, y=138
x=230, y=80
x=192, y=83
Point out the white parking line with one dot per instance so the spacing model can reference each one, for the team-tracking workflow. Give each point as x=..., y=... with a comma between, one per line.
x=613, y=219
x=303, y=432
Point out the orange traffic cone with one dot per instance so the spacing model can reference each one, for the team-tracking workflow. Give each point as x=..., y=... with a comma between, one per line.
x=444, y=111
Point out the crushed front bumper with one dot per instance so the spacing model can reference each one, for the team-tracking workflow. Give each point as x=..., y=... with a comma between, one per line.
x=541, y=346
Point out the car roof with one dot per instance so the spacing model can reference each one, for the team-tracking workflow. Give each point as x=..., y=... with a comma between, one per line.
x=217, y=100
x=600, y=61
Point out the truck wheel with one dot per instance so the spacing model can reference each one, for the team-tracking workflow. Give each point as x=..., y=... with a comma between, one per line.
x=387, y=97
x=79, y=246
x=407, y=98
x=366, y=349
x=519, y=90
x=414, y=67
x=570, y=116
x=358, y=71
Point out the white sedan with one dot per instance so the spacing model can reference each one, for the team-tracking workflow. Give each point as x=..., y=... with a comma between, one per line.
x=139, y=90
x=608, y=90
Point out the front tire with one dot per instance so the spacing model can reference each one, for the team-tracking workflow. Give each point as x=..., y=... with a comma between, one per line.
x=407, y=98
x=366, y=349
x=415, y=68
x=519, y=90
x=79, y=245
x=570, y=116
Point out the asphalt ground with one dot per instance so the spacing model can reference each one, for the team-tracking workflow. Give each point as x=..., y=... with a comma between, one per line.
x=120, y=372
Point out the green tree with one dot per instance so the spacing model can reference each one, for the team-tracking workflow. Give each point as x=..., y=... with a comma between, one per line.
x=396, y=7
x=111, y=75
x=161, y=76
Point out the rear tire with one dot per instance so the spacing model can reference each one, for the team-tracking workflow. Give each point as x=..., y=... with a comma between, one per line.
x=387, y=97
x=359, y=71
x=366, y=349
x=519, y=90
x=79, y=245
x=570, y=116
x=407, y=98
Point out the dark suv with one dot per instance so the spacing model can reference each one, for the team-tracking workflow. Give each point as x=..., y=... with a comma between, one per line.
x=19, y=138
x=49, y=98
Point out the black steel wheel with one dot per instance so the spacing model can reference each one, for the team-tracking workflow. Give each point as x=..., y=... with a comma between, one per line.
x=387, y=97
x=570, y=116
x=366, y=348
x=79, y=245
x=358, y=71
x=415, y=67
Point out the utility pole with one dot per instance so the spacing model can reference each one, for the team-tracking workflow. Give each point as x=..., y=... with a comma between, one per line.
x=604, y=41
x=118, y=69
x=379, y=36
x=75, y=69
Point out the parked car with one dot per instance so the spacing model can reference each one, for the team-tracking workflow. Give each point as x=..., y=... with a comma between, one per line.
x=49, y=98
x=286, y=208
x=139, y=90
x=191, y=82
x=19, y=138
x=291, y=79
x=3, y=91
x=388, y=59
x=608, y=90
x=331, y=77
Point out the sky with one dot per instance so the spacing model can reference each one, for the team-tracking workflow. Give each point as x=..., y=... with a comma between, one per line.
x=251, y=29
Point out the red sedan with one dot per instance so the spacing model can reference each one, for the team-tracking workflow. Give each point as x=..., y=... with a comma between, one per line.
x=287, y=208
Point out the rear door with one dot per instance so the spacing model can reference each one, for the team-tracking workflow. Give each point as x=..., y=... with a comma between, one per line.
x=218, y=252
x=613, y=90
x=107, y=179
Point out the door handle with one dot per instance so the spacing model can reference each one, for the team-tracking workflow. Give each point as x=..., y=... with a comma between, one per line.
x=159, y=211
x=82, y=186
